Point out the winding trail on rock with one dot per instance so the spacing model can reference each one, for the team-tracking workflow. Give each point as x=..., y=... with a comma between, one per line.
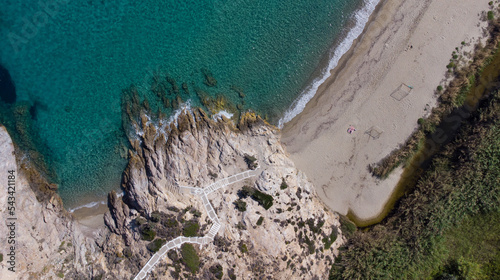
x=202, y=193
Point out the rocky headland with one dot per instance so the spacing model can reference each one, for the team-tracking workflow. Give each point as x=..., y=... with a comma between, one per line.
x=273, y=225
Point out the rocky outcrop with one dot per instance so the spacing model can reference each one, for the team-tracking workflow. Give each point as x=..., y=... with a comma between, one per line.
x=295, y=238
x=272, y=225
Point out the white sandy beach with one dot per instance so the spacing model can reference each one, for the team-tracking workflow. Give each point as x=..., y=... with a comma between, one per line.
x=404, y=43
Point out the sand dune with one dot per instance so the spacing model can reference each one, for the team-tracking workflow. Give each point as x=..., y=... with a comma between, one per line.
x=406, y=43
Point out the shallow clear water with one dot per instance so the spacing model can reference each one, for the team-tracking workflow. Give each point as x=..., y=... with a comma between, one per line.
x=71, y=59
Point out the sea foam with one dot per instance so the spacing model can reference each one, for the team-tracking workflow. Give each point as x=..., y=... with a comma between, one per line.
x=92, y=204
x=361, y=18
x=221, y=114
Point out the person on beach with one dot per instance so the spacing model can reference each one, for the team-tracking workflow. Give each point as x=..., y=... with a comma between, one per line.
x=351, y=129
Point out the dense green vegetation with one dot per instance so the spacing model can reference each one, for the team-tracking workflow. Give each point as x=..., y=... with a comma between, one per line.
x=473, y=248
x=447, y=226
x=191, y=229
x=466, y=79
x=190, y=258
x=347, y=227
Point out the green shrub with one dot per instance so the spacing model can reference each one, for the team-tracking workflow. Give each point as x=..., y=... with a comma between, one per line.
x=260, y=220
x=241, y=226
x=155, y=245
x=491, y=16
x=311, y=248
x=195, y=213
x=60, y=274
x=263, y=199
x=147, y=232
x=212, y=175
x=283, y=185
x=328, y=240
x=191, y=229
x=439, y=88
x=315, y=228
x=240, y=205
x=173, y=209
x=346, y=226
x=170, y=222
x=301, y=224
x=246, y=191
x=243, y=247
x=251, y=161
x=190, y=258
x=216, y=270
x=156, y=216
x=172, y=254
x=1, y=257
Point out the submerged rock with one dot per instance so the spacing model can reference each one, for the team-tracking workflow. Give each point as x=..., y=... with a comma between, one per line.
x=7, y=88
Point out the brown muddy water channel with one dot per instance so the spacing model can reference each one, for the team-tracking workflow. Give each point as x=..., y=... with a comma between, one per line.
x=444, y=133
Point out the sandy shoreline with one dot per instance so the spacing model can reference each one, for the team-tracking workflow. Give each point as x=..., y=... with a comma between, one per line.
x=404, y=43
x=92, y=217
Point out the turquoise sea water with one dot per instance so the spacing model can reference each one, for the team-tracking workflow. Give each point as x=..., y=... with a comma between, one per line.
x=71, y=60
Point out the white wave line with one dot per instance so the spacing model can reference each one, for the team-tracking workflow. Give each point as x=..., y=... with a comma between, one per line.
x=361, y=17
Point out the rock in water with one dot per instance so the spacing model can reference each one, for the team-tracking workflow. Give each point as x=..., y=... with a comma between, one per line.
x=7, y=88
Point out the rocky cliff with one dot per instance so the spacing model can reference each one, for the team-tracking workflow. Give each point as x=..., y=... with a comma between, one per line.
x=40, y=239
x=272, y=225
